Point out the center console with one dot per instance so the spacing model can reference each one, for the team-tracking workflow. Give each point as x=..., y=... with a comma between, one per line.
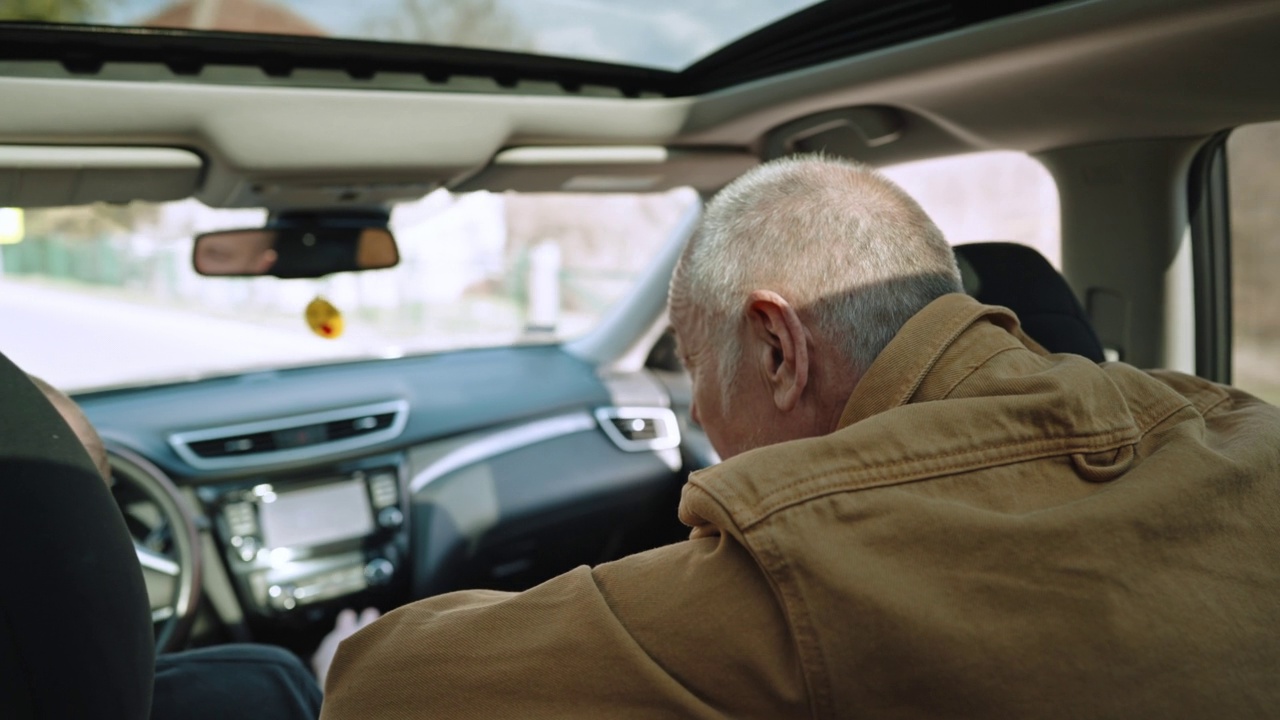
x=298, y=541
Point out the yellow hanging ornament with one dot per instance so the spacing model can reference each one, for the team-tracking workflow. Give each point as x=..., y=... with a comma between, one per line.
x=324, y=319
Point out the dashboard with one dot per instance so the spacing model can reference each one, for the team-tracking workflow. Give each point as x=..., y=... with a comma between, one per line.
x=288, y=544
x=381, y=482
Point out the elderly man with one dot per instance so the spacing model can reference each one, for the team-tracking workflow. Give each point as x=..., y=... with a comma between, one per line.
x=920, y=512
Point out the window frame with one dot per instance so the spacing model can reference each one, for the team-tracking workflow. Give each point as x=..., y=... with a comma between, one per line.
x=1208, y=205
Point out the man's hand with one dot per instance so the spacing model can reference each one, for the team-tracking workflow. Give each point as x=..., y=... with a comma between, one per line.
x=346, y=626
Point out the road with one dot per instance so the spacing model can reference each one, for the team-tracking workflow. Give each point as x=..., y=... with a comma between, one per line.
x=77, y=340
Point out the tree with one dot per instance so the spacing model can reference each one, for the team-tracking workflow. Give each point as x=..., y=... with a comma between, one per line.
x=467, y=23
x=63, y=11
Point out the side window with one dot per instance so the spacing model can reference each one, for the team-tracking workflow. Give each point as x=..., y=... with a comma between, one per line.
x=1253, y=180
x=987, y=196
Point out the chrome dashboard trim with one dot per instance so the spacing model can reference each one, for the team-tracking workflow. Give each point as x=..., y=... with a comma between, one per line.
x=500, y=442
x=668, y=436
x=180, y=442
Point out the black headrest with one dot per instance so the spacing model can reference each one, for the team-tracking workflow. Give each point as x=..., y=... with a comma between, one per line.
x=1021, y=279
x=75, y=626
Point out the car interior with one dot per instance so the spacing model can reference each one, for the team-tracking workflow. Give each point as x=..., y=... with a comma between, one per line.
x=264, y=499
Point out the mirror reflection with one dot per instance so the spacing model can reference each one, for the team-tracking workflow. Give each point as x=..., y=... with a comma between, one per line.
x=235, y=252
x=294, y=251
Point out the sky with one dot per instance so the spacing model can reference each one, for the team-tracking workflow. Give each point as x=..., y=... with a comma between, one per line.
x=669, y=34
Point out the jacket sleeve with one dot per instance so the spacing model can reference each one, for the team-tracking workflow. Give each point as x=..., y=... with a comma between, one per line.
x=689, y=630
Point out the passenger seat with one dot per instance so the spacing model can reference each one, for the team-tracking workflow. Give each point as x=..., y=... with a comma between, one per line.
x=1021, y=279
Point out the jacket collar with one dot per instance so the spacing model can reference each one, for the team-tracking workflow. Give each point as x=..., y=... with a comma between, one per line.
x=900, y=369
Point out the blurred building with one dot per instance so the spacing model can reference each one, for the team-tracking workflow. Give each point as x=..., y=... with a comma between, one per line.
x=256, y=16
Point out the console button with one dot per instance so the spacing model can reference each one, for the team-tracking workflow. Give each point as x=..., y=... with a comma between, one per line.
x=241, y=518
x=246, y=548
x=379, y=571
x=383, y=489
x=390, y=517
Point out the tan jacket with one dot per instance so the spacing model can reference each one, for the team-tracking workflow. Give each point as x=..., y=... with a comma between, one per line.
x=991, y=532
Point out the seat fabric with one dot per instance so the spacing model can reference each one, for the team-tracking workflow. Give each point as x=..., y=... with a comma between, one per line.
x=1020, y=278
x=75, y=629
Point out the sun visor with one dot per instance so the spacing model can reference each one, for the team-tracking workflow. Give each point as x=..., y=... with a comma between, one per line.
x=616, y=169
x=50, y=176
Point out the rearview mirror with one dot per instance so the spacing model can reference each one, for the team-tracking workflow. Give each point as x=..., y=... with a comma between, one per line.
x=305, y=251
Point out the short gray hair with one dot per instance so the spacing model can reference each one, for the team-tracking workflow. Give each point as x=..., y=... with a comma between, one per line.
x=837, y=239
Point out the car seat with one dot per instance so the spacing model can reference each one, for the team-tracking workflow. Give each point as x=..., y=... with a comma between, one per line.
x=76, y=639
x=1021, y=279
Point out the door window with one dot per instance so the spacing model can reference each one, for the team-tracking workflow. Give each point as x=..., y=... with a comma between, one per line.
x=1253, y=180
x=987, y=196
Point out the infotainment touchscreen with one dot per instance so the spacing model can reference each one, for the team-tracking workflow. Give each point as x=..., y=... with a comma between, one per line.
x=317, y=515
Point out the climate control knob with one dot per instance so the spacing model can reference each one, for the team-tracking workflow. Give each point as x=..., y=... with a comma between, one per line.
x=378, y=571
x=390, y=517
x=282, y=597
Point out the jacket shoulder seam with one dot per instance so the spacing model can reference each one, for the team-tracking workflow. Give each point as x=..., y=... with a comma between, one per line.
x=979, y=366
x=935, y=466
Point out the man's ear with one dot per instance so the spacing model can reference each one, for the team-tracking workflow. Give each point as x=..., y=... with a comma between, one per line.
x=781, y=346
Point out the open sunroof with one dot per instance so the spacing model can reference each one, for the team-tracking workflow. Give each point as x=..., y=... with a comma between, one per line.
x=658, y=48
x=654, y=34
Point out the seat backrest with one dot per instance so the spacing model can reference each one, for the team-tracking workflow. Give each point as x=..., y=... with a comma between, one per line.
x=1021, y=279
x=76, y=639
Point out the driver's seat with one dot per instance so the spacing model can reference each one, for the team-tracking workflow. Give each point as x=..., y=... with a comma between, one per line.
x=75, y=632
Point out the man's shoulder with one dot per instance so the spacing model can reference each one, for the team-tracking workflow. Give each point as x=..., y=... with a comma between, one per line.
x=1015, y=409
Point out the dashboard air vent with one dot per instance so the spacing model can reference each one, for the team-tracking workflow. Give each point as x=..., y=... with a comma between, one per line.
x=339, y=429
x=636, y=429
x=299, y=437
x=239, y=445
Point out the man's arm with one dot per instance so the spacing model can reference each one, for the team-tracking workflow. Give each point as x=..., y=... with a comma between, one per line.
x=688, y=630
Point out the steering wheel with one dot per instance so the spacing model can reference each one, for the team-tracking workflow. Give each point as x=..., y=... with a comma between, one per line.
x=165, y=540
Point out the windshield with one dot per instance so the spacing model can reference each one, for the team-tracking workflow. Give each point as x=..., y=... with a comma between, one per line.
x=662, y=34
x=104, y=296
